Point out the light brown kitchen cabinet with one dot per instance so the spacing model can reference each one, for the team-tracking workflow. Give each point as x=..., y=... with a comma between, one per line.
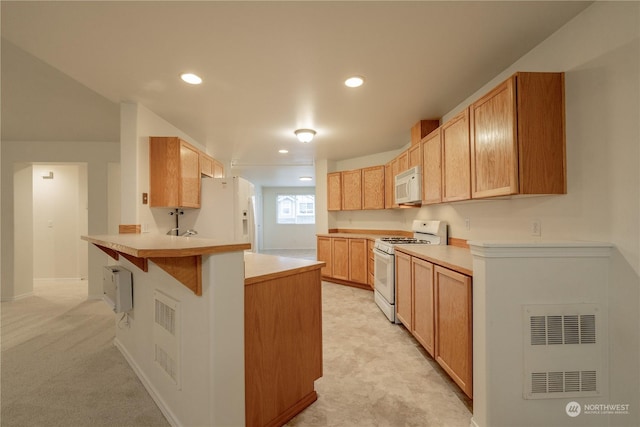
x=456, y=170
x=415, y=158
x=174, y=173
x=422, y=129
x=403, y=161
x=404, y=285
x=352, y=190
x=358, y=261
x=373, y=187
x=323, y=253
x=206, y=165
x=370, y=264
x=432, y=168
x=423, y=303
x=389, y=185
x=453, y=326
x=340, y=258
x=218, y=169
x=347, y=260
x=334, y=191
x=518, y=137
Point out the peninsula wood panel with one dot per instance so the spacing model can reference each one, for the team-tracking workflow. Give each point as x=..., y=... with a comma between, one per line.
x=283, y=347
x=334, y=191
x=456, y=169
x=423, y=310
x=453, y=326
x=432, y=168
x=352, y=190
x=404, y=299
x=373, y=187
x=358, y=260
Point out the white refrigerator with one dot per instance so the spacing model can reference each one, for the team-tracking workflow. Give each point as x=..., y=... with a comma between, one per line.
x=227, y=210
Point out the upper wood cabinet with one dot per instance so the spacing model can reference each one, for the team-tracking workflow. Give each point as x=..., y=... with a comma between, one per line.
x=373, y=187
x=389, y=185
x=422, y=129
x=206, y=165
x=431, y=168
x=403, y=162
x=352, y=190
x=518, y=137
x=456, y=182
x=334, y=191
x=174, y=173
x=415, y=158
x=218, y=169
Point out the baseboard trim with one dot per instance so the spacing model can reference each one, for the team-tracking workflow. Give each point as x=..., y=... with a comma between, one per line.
x=17, y=297
x=168, y=414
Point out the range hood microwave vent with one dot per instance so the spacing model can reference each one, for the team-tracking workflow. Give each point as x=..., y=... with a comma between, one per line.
x=408, y=186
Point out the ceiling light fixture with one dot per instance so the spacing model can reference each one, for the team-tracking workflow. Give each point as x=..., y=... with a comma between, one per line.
x=191, y=78
x=305, y=135
x=283, y=151
x=355, y=81
x=305, y=178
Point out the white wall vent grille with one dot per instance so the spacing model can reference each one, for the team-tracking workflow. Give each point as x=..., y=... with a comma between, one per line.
x=166, y=335
x=564, y=351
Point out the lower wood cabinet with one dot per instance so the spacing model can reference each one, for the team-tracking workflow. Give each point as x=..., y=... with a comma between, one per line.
x=347, y=260
x=434, y=304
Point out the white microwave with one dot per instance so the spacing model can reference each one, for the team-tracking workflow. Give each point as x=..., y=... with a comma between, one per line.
x=409, y=186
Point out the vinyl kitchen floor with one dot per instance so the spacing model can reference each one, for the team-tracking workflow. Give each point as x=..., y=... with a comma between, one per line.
x=376, y=373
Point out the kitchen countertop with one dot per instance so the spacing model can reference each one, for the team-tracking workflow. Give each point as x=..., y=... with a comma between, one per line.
x=451, y=257
x=161, y=245
x=260, y=267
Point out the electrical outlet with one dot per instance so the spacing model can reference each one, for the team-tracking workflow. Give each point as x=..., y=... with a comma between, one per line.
x=536, y=228
x=467, y=224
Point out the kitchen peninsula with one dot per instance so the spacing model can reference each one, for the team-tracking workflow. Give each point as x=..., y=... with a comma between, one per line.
x=251, y=317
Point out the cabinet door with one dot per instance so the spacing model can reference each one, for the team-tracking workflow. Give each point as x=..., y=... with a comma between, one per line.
x=206, y=165
x=403, y=161
x=456, y=170
x=423, y=320
x=432, y=168
x=334, y=191
x=404, y=299
x=340, y=258
x=358, y=260
x=415, y=159
x=371, y=263
x=352, y=190
x=453, y=341
x=324, y=254
x=218, y=169
x=395, y=170
x=373, y=187
x=494, y=149
x=389, y=185
x=190, y=173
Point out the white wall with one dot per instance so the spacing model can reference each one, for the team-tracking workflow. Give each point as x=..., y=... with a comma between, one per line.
x=59, y=219
x=96, y=155
x=284, y=236
x=23, y=249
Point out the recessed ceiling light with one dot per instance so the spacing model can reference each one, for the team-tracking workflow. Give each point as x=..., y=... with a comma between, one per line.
x=305, y=178
x=191, y=78
x=355, y=81
x=305, y=135
x=283, y=151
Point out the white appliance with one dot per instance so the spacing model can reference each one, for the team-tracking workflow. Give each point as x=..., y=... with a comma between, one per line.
x=409, y=186
x=227, y=210
x=424, y=233
x=117, y=288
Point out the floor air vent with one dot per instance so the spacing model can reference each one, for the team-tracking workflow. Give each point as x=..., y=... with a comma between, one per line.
x=166, y=335
x=563, y=351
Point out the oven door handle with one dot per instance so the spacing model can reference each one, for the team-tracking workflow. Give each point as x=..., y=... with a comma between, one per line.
x=383, y=255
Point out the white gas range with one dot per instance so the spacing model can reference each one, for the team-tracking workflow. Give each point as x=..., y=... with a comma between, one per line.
x=424, y=233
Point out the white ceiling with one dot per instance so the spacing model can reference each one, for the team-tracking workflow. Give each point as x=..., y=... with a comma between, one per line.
x=272, y=67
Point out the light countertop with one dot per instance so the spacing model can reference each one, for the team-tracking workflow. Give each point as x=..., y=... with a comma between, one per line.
x=451, y=257
x=160, y=245
x=260, y=267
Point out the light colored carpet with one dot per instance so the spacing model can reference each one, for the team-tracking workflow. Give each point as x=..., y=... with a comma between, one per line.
x=59, y=368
